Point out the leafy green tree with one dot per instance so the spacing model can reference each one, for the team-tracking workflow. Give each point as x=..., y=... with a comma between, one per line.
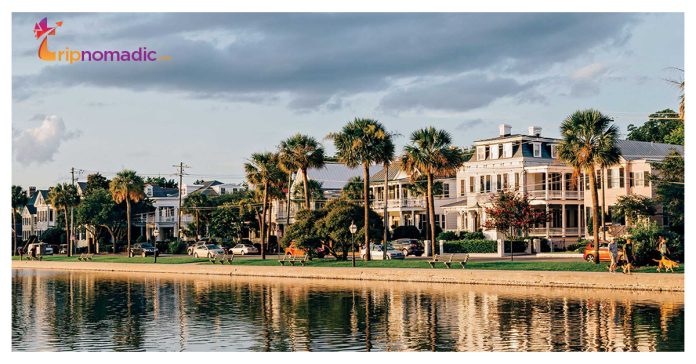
x=161, y=182
x=512, y=214
x=363, y=141
x=226, y=222
x=589, y=142
x=96, y=181
x=129, y=187
x=301, y=152
x=199, y=205
x=19, y=200
x=98, y=210
x=431, y=154
x=663, y=126
x=419, y=188
x=315, y=190
x=263, y=172
x=668, y=179
x=53, y=236
x=632, y=207
x=334, y=226
x=62, y=197
x=305, y=232
x=353, y=189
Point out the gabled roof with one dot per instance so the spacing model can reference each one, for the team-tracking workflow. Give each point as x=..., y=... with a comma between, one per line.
x=334, y=176
x=158, y=191
x=459, y=203
x=635, y=150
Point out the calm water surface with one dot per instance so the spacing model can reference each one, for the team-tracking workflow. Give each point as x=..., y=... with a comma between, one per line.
x=54, y=311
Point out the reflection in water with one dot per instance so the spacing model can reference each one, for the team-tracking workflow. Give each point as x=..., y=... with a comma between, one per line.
x=113, y=311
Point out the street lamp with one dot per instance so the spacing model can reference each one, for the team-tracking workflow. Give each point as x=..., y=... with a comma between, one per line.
x=353, y=229
x=155, y=233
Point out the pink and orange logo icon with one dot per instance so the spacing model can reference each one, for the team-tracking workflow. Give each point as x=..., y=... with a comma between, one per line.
x=41, y=29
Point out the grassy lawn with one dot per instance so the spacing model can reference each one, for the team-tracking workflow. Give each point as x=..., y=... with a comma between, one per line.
x=574, y=266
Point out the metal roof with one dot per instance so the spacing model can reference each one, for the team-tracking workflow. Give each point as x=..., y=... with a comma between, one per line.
x=634, y=150
x=334, y=176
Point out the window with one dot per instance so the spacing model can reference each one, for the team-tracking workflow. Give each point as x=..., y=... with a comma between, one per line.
x=462, y=187
x=517, y=181
x=480, y=153
x=499, y=182
x=445, y=191
x=610, y=178
x=554, y=151
x=536, y=147
x=631, y=179
x=598, y=179
x=507, y=150
x=646, y=178
x=472, y=184
x=482, y=184
x=488, y=183
x=506, y=185
x=494, y=151
x=622, y=173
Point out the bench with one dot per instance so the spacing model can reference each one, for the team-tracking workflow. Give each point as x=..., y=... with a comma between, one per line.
x=448, y=259
x=85, y=257
x=222, y=258
x=292, y=259
x=30, y=257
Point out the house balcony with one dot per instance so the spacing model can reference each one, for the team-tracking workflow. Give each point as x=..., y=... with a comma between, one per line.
x=400, y=203
x=555, y=195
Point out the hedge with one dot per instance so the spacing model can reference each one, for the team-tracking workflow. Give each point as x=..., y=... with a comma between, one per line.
x=519, y=246
x=471, y=246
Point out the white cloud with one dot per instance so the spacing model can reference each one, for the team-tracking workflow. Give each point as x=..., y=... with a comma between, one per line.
x=589, y=72
x=41, y=143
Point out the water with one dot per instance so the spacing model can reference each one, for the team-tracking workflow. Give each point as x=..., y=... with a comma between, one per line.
x=55, y=311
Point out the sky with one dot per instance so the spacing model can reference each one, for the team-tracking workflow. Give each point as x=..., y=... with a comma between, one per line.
x=240, y=83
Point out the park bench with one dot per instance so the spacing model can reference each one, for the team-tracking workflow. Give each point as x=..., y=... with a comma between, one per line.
x=85, y=257
x=222, y=258
x=38, y=257
x=448, y=259
x=292, y=259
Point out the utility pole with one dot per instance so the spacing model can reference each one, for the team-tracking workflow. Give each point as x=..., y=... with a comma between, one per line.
x=181, y=173
x=604, y=188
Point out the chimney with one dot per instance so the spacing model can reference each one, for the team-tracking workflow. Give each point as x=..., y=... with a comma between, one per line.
x=31, y=191
x=534, y=130
x=504, y=129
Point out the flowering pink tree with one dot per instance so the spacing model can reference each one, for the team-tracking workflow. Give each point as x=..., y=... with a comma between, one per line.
x=512, y=214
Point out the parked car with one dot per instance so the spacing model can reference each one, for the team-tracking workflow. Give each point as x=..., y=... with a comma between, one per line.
x=194, y=246
x=376, y=252
x=48, y=250
x=143, y=249
x=297, y=251
x=604, y=254
x=243, y=249
x=207, y=251
x=408, y=246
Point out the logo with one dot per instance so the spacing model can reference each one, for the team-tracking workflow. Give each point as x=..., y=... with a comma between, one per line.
x=43, y=31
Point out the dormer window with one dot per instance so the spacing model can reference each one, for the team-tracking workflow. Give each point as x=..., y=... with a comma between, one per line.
x=507, y=150
x=494, y=151
x=554, y=151
x=536, y=147
x=480, y=153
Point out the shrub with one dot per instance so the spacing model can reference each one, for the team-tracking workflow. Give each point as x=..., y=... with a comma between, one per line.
x=423, y=235
x=407, y=232
x=471, y=246
x=162, y=246
x=447, y=235
x=474, y=235
x=518, y=246
x=176, y=247
x=645, y=240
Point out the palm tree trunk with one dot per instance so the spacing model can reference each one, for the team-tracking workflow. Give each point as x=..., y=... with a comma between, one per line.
x=287, y=223
x=67, y=235
x=426, y=223
x=128, y=218
x=431, y=213
x=386, y=216
x=595, y=219
x=366, y=202
x=263, y=223
x=305, y=182
x=198, y=221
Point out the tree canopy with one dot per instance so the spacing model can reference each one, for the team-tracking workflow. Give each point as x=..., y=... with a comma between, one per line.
x=663, y=126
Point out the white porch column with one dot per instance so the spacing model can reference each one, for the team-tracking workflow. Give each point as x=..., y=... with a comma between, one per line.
x=546, y=184
x=580, y=221
x=563, y=220
x=523, y=181
x=563, y=185
x=401, y=218
x=548, y=223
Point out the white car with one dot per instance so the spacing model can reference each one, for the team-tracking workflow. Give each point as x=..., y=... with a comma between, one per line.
x=376, y=253
x=244, y=249
x=207, y=251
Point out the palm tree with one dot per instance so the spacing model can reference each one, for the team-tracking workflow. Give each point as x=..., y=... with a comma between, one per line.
x=127, y=186
x=301, y=152
x=680, y=85
x=62, y=197
x=193, y=205
x=263, y=172
x=589, y=141
x=431, y=154
x=419, y=187
x=363, y=141
x=19, y=200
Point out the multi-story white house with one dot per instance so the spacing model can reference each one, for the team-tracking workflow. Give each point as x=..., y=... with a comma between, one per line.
x=405, y=206
x=527, y=163
x=38, y=215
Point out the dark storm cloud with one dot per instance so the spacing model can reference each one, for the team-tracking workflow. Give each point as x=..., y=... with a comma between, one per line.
x=316, y=59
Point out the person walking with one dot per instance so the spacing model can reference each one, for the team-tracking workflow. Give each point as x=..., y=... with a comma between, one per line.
x=628, y=255
x=662, y=247
x=614, y=252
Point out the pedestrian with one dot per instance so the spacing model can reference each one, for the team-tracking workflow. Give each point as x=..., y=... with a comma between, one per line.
x=614, y=252
x=662, y=247
x=628, y=255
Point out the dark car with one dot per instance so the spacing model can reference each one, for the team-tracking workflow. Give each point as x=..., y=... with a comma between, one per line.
x=408, y=246
x=143, y=249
